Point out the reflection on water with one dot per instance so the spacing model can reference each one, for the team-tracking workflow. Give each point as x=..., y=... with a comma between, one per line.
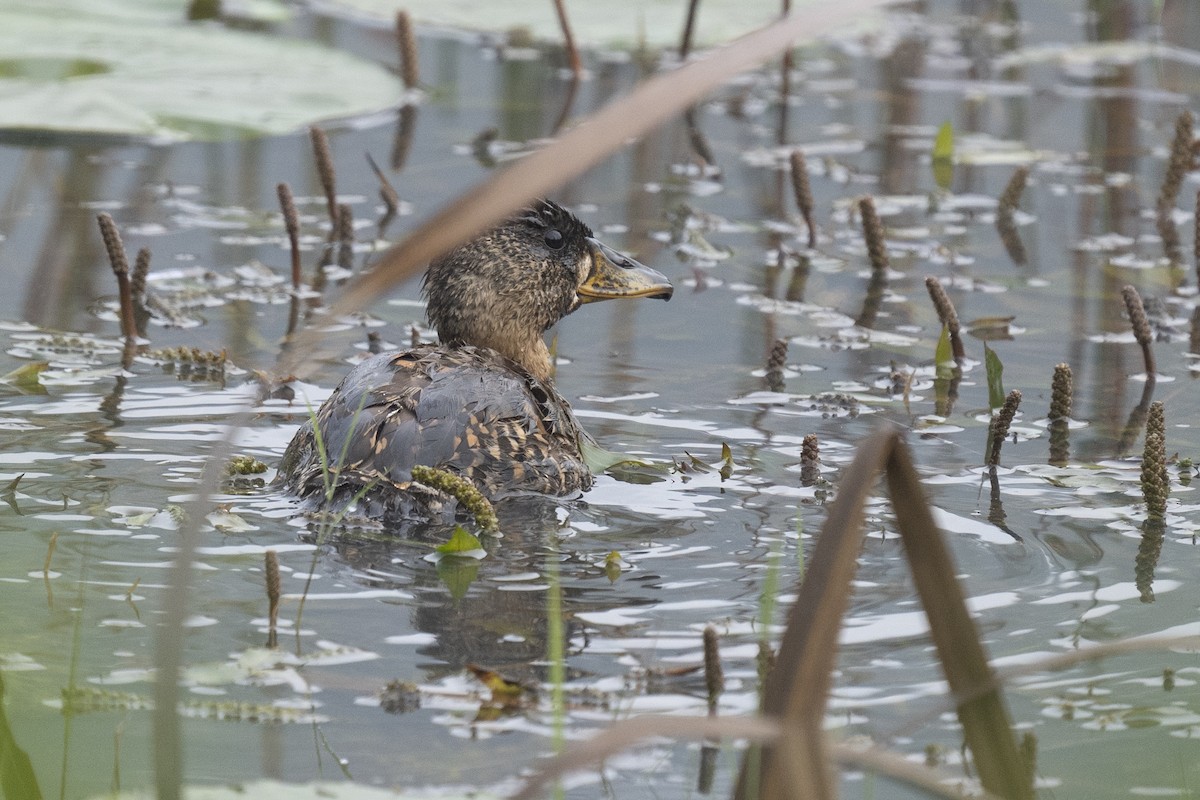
x=98, y=459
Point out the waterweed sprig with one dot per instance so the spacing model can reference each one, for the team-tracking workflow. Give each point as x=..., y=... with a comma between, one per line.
x=946, y=315
x=803, y=193
x=461, y=490
x=1141, y=327
x=998, y=428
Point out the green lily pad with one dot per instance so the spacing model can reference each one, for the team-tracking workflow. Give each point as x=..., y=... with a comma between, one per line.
x=614, y=23
x=141, y=70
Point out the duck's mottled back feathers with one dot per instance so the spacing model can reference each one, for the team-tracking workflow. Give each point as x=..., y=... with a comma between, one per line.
x=467, y=410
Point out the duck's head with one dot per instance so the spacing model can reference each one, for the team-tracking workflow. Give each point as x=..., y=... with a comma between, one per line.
x=505, y=288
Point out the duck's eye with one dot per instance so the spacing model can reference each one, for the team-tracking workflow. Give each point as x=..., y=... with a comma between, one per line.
x=554, y=239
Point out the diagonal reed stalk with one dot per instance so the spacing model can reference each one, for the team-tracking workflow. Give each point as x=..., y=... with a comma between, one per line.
x=652, y=103
x=799, y=685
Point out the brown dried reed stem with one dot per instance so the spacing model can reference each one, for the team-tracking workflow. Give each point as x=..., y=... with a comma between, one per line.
x=406, y=40
x=320, y=145
x=999, y=426
x=873, y=234
x=568, y=39
x=803, y=193
x=291, y=222
x=689, y=25
x=1141, y=328
x=120, y=268
x=946, y=315
x=387, y=192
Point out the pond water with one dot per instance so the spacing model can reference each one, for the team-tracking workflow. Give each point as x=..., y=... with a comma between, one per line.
x=1084, y=94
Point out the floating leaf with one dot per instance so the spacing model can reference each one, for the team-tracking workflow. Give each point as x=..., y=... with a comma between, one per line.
x=26, y=377
x=461, y=543
x=991, y=328
x=505, y=691
x=943, y=355
x=600, y=460
x=457, y=574
x=612, y=566
x=149, y=73
x=943, y=156
x=726, y=461
x=995, y=377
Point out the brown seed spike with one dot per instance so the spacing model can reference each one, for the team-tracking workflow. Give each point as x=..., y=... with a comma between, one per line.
x=320, y=144
x=345, y=237
x=271, y=566
x=1156, y=481
x=406, y=39
x=1141, y=328
x=810, y=460
x=946, y=315
x=714, y=676
x=803, y=192
x=873, y=233
x=1196, y=237
x=120, y=268
x=998, y=429
x=291, y=222
x=1013, y=191
x=1179, y=163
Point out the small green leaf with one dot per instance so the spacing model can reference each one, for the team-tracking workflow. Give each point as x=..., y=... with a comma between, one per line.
x=995, y=377
x=600, y=460
x=461, y=542
x=457, y=574
x=943, y=156
x=943, y=145
x=612, y=566
x=26, y=377
x=726, y=461
x=943, y=356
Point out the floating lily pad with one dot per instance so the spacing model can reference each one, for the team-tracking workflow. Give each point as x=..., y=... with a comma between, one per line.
x=146, y=72
x=626, y=23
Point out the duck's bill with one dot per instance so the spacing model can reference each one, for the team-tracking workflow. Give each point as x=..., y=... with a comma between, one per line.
x=613, y=275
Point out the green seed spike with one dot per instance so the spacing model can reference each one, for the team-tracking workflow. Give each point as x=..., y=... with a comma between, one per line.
x=462, y=490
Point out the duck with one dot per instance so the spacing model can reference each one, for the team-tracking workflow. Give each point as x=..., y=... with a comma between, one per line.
x=481, y=403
